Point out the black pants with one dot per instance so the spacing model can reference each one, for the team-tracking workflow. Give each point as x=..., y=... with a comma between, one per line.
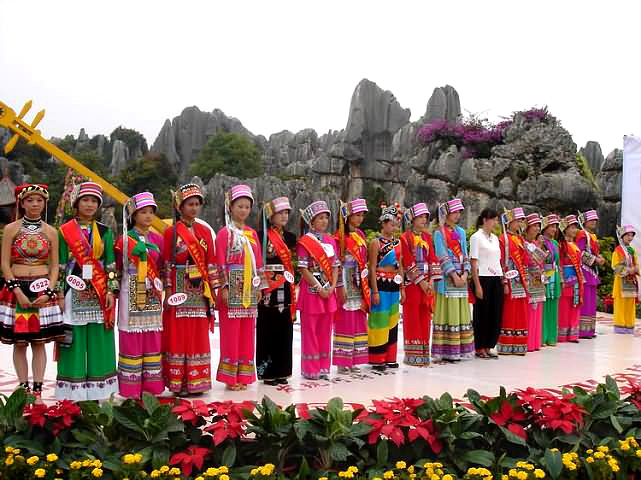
x=487, y=313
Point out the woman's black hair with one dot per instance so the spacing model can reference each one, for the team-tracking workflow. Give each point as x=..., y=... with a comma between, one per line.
x=486, y=214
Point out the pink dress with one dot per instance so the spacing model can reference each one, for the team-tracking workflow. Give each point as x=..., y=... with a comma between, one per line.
x=238, y=317
x=316, y=313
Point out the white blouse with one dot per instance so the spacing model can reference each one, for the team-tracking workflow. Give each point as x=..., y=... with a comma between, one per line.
x=488, y=253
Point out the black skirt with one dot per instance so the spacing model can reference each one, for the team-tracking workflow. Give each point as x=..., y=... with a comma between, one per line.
x=274, y=336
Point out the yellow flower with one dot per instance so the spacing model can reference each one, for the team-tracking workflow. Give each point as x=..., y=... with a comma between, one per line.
x=522, y=475
x=199, y=478
x=9, y=460
x=143, y=474
x=128, y=458
x=212, y=472
x=505, y=477
x=154, y=474
x=254, y=472
x=224, y=468
x=625, y=446
x=164, y=469
x=388, y=474
x=603, y=448
x=8, y=449
x=16, y=451
x=52, y=457
x=599, y=454
x=341, y=474
x=412, y=475
x=224, y=477
x=375, y=478
x=59, y=472
x=32, y=460
x=353, y=469
x=174, y=471
x=86, y=463
x=447, y=477
x=322, y=478
x=615, y=468
x=434, y=477
x=96, y=464
x=472, y=471
x=572, y=466
x=97, y=472
x=512, y=472
x=19, y=457
x=400, y=464
x=40, y=472
x=75, y=465
x=589, y=452
x=538, y=473
x=137, y=457
x=410, y=469
x=589, y=460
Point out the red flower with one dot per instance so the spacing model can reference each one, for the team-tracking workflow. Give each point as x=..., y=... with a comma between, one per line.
x=191, y=413
x=194, y=456
x=508, y=416
x=61, y=415
x=229, y=420
x=427, y=430
x=36, y=414
x=303, y=410
x=553, y=411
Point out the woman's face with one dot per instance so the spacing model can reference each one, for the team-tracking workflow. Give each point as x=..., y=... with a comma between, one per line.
x=355, y=219
x=320, y=222
x=490, y=223
x=515, y=226
x=280, y=219
x=388, y=226
x=591, y=225
x=240, y=209
x=550, y=231
x=533, y=230
x=33, y=205
x=420, y=222
x=571, y=231
x=454, y=218
x=88, y=206
x=190, y=208
x=627, y=238
x=144, y=217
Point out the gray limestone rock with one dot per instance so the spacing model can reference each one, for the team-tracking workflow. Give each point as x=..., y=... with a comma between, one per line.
x=119, y=157
x=594, y=156
x=444, y=104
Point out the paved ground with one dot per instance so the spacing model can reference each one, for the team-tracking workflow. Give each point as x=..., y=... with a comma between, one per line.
x=586, y=362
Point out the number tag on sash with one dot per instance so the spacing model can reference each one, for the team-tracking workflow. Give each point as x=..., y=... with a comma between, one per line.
x=39, y=285
x=364, y=273
x=329, y=249
x=177, y=299
x=510, y=274
x=87, y=272
x=158, y=284
x=76, y=282
x=289, y=277
x=398, y=279
x=256, y=281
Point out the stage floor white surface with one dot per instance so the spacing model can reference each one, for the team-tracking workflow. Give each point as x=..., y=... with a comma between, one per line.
x=584, y=363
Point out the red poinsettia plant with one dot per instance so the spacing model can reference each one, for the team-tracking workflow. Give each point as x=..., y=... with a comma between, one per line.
x=510, y=415
x=552, y=411
x=633, y=392
x=397, y=419
x=55, y=417
x=194, y=456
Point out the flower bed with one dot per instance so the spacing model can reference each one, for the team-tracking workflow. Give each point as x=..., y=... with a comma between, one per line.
x=526, y=434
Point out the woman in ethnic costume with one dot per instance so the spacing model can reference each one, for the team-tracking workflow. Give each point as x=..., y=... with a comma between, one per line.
x=386, y=279
x=625, y=264
x=350, y=324
x=591, y=258
x=535, y=282
x=29, y=311
x=318, y=263
x=240, y=258
x=453, y=332
x=551, y=268
x=87, y=366
x=572, y=277
x=139, y=260
x=190, y=268
x=514, y=334
x=421, y=269
x=277, y=311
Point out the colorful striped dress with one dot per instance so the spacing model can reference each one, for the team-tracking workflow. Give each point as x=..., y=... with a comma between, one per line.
x=572, y=293
x=589, y=253
x=552, y=293
x=624, y=290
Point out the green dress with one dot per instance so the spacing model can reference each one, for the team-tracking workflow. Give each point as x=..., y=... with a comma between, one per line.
x=552, y=293
x=87, y=364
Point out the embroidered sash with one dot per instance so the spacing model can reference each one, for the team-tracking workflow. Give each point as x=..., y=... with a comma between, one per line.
x=515, y=249
x=286, y=257
x=316, y=250
x=198, y=256
x=150, y=268
x=353, y=245
x=83, y=253
x=574, y=254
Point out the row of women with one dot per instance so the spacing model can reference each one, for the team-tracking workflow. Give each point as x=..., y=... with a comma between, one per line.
x=65, y=286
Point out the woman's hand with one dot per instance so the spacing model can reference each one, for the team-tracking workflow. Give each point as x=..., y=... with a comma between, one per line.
x=506, y=289
x=224, y=296
x=376, y=298
x=458, y=281
x=341, y=295
x=21, y=298
x=41, y=300
x=110, y=300
x=479, y=292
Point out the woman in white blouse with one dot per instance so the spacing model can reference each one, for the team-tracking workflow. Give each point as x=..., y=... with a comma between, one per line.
x=487, y=276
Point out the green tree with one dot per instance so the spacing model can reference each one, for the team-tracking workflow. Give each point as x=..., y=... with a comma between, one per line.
x=153, y=173
x=230, y=154
x=132, y=138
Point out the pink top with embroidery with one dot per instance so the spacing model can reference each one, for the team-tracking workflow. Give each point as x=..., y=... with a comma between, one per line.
x=309, y=301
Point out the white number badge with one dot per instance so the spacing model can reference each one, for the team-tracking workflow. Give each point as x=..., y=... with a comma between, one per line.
x=289, y=277
x=177, y=299
x=39, y=285
x=76, y=282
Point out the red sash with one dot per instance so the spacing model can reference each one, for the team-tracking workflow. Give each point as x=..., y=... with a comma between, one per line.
x=594, y=241
x=82, y=252
x=152, y=269
x=452, y=244
x=574, y=254
x=316, y=250
x=197, y=254
x=286, y=257
x=515, y=246
x=355, y=250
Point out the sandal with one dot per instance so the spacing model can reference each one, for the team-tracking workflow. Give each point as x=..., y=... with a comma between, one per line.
x=37, y=392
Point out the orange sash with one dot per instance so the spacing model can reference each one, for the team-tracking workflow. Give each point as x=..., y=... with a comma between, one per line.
x=197, y=254
x=574, y=254
x=316, y=250
x=356, y=252
x=82, y=252
x=515, y=246
x=286, y=257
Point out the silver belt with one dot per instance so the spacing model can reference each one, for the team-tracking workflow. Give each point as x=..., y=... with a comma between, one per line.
x=274, y=267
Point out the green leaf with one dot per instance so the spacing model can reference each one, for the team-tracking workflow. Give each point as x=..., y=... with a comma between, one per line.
x=150, y=402
x=470, y=435
x=512, y=437
x=382, y=452
x=301, y=428
x=83, y=436
x=159, y=456
x=479, y=457
x=338, y=452
x=553, y=463
x=612, y=386
x=304, y=471
x=335, y=405
x=615, y=423
x=229, y=456
x=588, y=470
x=125, y=421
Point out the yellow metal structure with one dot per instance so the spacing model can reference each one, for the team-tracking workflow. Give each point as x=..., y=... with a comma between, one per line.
x=21, y=129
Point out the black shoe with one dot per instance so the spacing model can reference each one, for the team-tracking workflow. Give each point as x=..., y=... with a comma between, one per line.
x=283, y=381
x=392, y=365
x=272, y=383
x=379, y=368
x=324, y=377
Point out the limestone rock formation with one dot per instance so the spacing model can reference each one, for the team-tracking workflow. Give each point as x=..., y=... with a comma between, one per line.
x=119, y=157
x=594, y=156
x=444, y=104
x=609, y=181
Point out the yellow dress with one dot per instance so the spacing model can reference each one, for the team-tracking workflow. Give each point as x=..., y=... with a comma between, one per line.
x=624, y=292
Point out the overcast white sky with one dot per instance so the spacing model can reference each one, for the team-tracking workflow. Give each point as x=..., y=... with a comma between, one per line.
x=294, y=64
